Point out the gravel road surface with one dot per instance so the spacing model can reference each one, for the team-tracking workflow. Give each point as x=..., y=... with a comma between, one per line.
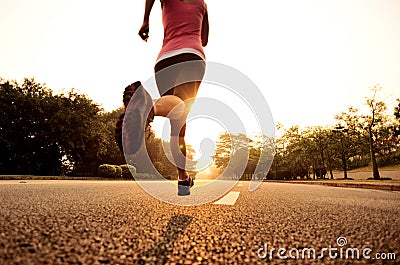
x=116, y=222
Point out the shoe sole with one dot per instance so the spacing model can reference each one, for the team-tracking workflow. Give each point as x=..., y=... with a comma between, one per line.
x=133, y=133
x=183, y=190
x=135, y=121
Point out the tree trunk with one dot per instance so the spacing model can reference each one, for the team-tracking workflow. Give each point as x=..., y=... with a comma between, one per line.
x=375, y=170
x=313, y=166
x=343, y=158
x=322, y=165
x=344, y=165
x=330, y=166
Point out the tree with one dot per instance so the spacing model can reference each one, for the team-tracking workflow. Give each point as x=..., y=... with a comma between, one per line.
x=84, y=134
x=395, y=138
x=396, y=113
x=261, y=155
x=242, y=156
x=40, y=132
x=371, y=124
x=368, y=131
x=342, y=131
x=298, y=153
x=112, y=154
x=330, y=151
x=161, y=156
x=397, y=110
x=353, y=142
x=24, y=108
x=228, y=145
x=105, y=150
x=322, y=138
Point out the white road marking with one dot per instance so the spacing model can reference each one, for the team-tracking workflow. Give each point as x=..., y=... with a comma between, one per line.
x=229, y=199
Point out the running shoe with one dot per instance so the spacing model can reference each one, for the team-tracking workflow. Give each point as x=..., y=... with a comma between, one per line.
x=135, y=121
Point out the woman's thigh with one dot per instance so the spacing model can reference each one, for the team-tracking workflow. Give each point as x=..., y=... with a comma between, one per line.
x=180, y=75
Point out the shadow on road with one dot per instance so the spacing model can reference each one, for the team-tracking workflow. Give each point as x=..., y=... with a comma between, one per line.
x=165, y=244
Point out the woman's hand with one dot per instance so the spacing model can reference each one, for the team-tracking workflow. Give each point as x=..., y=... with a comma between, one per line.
x=144, y=30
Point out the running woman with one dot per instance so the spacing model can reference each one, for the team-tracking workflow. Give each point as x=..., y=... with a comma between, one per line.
x=179, y=70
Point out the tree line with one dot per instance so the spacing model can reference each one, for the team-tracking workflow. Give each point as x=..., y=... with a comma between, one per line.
x=356, y=140
x=47, y=133
x=43, y=133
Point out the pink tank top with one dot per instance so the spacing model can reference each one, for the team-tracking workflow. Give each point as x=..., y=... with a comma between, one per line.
x=182, y=25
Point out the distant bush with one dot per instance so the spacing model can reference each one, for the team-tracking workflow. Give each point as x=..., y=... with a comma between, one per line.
x=115, y=171
x=108, y=171
x=118, y=172
x=126, y=171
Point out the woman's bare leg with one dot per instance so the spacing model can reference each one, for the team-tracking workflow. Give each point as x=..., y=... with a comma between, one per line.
x=187, y=93
x=176, y=107
x=164, y=105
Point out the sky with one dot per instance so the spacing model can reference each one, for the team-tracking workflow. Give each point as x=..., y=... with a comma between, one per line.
x=311, y=59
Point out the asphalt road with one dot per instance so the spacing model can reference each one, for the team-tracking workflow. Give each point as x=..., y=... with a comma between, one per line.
x=88, y=222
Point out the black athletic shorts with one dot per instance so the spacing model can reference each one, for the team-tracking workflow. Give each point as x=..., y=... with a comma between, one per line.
x=178, y=69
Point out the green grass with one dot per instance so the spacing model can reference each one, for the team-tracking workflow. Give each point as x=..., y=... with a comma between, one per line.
x=369, y=168
x=352, y=180
x=33, y=177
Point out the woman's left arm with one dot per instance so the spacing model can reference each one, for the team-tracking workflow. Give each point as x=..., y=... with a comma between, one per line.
x=204, y=29
x=144, y=29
